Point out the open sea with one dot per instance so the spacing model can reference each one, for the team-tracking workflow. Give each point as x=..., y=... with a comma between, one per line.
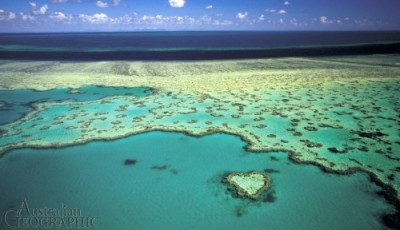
x=194, y=45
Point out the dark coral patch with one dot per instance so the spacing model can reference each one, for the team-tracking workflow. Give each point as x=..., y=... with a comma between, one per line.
x=363, y=148
x=161, y=167
x=240, y=210
x=371, y=135
x=335, y=150
x=310, y=128
x=269, y=170
x=130, y=162
x=3, y=131
x=313, y=145
x=297, y=134
x=273, y=158
x=392, y=220
x=270, y=197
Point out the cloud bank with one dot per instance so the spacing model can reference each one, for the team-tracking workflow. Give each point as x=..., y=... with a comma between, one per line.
x=177, y=3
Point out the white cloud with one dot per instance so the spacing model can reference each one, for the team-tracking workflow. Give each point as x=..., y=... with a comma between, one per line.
x=11, y=15
x=42, y=10
x=209, y=7
x=124, y=20
x=101, y=4
x=179, y=20
x=177, y=3
x=95, y=18
x=60, y=16
x=275, y=11
x=281, y=20
x=286, y=3
x=262, y=17
x=26, y=17
x=363, y=22
x=141, y=21
x=205, y=20
x=150, y=20
x=222, y=23
x=241, y=15
x=160, y=19
x=58, y=1
x=325, y=20
x=116, y=2
x=5, y=15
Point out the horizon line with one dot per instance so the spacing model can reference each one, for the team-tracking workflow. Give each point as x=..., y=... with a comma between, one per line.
x=172, y=31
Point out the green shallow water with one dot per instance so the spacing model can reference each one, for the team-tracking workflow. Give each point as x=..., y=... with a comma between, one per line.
x=175, y=184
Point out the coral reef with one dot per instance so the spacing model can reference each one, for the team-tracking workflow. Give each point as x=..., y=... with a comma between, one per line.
x=248, y=184
x=339, y=113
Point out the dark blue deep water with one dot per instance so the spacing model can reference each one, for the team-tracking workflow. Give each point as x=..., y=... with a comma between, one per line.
x=194, y=45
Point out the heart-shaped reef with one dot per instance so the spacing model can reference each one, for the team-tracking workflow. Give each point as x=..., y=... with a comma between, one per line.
x=248, y=184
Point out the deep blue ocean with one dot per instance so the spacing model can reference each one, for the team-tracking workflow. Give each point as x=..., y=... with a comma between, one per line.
x=194, y=45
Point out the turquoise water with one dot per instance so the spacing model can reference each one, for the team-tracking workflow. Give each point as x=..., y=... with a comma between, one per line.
x=16, y=103
x=175, y=184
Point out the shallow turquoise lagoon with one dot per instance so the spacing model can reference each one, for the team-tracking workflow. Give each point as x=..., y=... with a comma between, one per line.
x=174, y=182
x=16, y=103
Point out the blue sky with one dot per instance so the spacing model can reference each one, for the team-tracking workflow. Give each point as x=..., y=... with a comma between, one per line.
x=137, y=15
